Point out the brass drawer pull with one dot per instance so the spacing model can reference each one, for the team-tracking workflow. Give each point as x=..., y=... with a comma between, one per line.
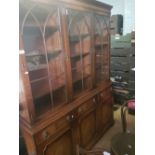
x=45, y=134
x=94, y=100
x=70, y=118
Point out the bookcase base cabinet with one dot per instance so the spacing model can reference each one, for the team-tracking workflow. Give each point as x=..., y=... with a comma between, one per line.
x=84, y=125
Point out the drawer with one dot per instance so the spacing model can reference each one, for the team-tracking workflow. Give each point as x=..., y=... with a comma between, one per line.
x=52, y=129
x=105, y=94
x=45, y=134
x=85, y=107
x=64, y=121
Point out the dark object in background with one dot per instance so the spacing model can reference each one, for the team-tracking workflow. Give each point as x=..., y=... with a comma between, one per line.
x=131, y=106
x=133, y=38
x=22, y=147
x=122, y=67
x=116, y=24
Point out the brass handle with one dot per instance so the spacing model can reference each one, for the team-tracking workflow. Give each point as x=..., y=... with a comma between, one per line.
x=45, y=134
x=72, y=116
x=94, y=100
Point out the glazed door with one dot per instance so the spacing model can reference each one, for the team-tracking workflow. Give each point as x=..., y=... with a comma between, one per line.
x=43, y=49
x=79, y=30
x=101, y=40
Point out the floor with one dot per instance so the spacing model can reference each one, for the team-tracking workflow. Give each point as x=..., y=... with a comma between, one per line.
x=117, y=127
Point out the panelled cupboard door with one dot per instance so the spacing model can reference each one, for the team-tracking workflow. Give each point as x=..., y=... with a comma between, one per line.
x=107, y=111
x=87, y=122
x=79, y=30
x=87, y=129
x=104, y=112
x=62, y=145
x=44, y=55
x=101, y=46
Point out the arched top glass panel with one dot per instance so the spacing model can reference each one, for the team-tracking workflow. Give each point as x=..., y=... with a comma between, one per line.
x=80, y=47
x=40, y=29
x=101, y=37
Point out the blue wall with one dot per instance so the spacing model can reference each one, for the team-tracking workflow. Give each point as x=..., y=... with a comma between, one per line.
x=127, y=9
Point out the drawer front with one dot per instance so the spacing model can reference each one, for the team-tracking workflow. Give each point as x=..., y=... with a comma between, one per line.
x=52, y=129
x=105, y=94
x=85, y=107
x=45, y=134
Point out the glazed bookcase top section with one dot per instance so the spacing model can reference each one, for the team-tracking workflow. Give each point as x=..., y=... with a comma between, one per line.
x=65, y=53
x=41, y=34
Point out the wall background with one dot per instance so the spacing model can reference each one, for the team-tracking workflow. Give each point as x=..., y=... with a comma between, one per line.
x=127, y=9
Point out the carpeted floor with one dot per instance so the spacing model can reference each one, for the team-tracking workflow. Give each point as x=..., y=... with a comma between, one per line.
x=117, y=127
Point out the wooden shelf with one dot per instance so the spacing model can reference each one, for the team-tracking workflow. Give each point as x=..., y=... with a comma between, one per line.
x=76, y=38
x=45, y=89
x=75, y=68
x=34, y=53
x=32, y=66
x=78, y=55
x=77, y=77
x=37, y=67
x=53, y=54
x=102, y=44
x=30, y=29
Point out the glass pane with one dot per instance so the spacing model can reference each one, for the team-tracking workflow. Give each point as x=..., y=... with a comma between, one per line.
x=80, y=47
x=44, y=57
x=41, y=95
x=101, y=48
x=56, y=65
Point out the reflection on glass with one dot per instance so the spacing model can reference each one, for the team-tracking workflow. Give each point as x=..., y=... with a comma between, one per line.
x=101, y=47
x=44, y=56
x=80, y=45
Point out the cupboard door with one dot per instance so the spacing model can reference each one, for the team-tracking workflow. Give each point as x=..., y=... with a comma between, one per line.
x=101, y=40
x=87, y=129
x=87, y=122
x=61, y=145
x=79, y=30
x=44, y=54
x=104, y=114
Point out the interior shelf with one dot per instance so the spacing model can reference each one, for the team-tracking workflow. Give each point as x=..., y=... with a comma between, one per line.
x=99, y=55
x=76, y=38
x=45, y=91
x=52, y=53
x=77, y=77
x=78, y=55
x=37, y=67
x=46, y=77
x=31, y=29
x=75, y=68
x=99, y=45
